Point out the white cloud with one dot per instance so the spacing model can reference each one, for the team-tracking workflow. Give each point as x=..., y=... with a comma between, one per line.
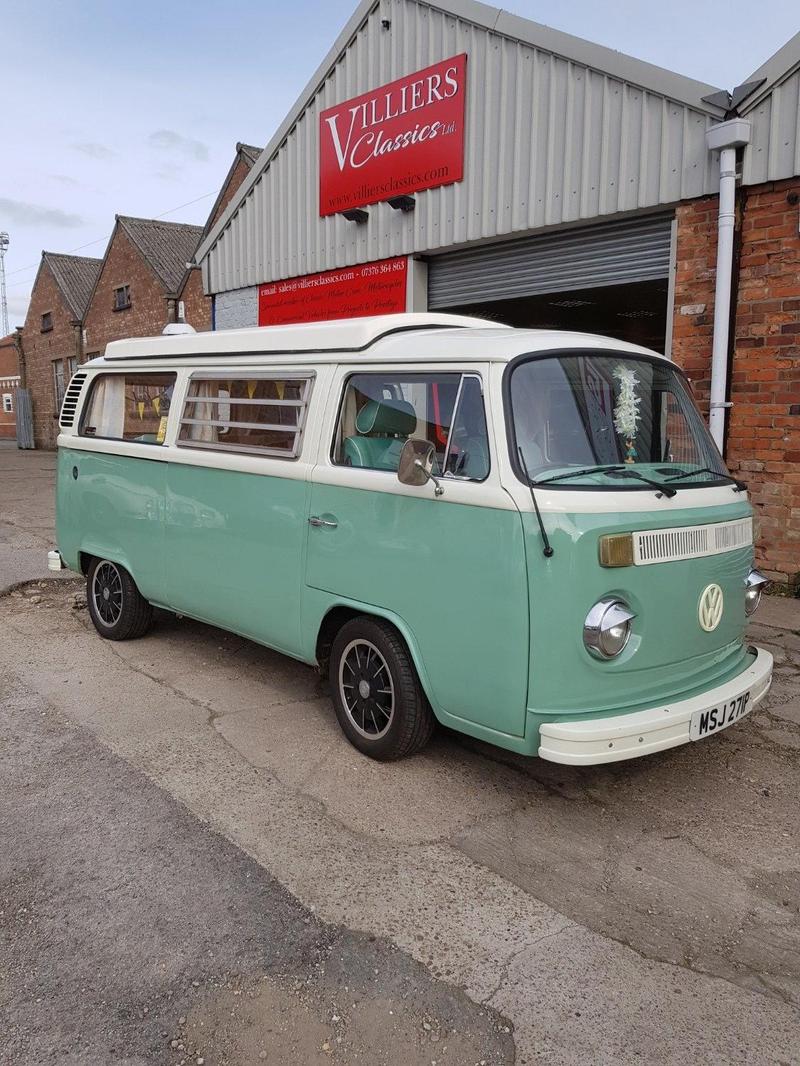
x=170, y=141
x=17, y=212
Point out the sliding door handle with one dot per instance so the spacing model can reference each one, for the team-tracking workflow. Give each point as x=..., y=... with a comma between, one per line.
x=317, y=520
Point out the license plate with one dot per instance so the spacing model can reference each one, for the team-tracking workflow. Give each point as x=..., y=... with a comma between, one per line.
x=704, y=723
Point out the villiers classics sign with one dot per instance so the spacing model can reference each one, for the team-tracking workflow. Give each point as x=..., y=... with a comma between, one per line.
x=395, y=140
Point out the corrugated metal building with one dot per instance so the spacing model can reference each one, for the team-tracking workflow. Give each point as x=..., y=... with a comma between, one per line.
x=558, y=132
x=581, y=203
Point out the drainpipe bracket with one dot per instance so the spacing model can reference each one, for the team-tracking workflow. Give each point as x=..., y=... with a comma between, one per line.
x=731, y=134
x=720, y=403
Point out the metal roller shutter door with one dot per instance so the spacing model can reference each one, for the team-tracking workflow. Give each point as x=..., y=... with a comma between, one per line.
x=614, y=253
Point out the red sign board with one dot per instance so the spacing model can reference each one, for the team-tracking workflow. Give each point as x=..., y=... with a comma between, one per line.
x=403, y=137
x=351, y=292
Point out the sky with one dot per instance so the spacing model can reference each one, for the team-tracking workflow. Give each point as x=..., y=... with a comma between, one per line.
x=135, y=109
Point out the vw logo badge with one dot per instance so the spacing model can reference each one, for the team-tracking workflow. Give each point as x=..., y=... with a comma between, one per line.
x=710, y=609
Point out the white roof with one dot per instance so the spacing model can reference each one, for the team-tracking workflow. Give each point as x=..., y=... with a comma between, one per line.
x=441, y=337
x=336, y=335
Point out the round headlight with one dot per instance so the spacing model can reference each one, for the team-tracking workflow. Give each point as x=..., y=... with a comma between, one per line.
x=607, y=628
x=755, y=583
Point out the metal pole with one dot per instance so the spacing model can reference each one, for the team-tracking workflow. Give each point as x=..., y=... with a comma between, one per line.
x=722, y=296
x=4, y=242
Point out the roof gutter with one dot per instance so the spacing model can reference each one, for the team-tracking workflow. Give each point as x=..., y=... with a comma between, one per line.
x=724, y=138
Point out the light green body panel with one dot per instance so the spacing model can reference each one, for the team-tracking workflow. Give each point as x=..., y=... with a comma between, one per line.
x=453, y=575
x=115, y=508
x=494, y=628
x=234, y=546
x=669, y=655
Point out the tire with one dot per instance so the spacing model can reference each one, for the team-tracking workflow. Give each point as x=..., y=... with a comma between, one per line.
x=116, y=607
x=376, y=692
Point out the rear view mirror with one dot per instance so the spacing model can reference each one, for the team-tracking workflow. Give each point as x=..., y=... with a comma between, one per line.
x=416, y=464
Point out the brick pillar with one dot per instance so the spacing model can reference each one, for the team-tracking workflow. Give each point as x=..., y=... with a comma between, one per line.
x=764, y=423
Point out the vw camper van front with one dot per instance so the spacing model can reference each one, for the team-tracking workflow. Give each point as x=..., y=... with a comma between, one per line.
x=640, y=558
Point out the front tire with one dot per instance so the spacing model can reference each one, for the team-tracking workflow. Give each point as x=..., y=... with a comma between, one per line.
x=376, y=693
x=116, y=607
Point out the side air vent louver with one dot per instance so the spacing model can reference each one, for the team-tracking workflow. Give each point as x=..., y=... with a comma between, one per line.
x=70, y=404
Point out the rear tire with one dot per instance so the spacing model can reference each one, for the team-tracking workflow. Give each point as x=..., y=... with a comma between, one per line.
x=376, y=693
x=116, y=607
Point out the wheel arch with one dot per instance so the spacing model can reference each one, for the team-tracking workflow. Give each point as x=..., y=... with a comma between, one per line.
x=342, y=611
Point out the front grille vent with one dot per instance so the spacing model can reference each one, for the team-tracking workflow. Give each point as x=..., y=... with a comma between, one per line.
x=691, y=542
x=70, y=403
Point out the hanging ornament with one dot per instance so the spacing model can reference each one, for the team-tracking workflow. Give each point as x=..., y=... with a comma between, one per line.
x=626, y=410
x=157, y=404
x=281, y=388
x=251, y=389
x=140, y=409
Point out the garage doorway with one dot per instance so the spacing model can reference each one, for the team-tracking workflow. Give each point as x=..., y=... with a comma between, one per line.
x=610, y=279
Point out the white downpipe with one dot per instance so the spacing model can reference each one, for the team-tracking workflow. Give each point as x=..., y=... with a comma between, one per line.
x=722, y=294
x=725, y=138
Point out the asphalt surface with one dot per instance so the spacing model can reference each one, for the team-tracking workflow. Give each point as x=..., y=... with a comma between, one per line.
x=647, y=911
x=132, y=932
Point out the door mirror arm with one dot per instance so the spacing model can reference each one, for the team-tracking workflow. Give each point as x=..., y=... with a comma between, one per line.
x=430, y=476
x=416, y=465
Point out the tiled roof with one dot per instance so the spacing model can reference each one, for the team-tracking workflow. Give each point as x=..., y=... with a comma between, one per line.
x=250, y=152
x=166, y=246
x=75, y=276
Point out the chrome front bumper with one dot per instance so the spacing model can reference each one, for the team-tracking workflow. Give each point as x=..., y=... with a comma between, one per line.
x=626, y=736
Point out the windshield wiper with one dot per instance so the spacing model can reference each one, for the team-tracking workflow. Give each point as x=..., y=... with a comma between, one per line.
x=619, y=471
x=740, y=485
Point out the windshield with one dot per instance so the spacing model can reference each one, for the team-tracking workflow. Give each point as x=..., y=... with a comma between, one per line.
x=583, y=413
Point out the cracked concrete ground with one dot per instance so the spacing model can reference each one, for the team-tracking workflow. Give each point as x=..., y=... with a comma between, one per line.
x=644, y=911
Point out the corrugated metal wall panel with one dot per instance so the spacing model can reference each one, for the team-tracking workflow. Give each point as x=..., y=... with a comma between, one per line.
x=547, y=141
x=774, y=149
x=587, y=257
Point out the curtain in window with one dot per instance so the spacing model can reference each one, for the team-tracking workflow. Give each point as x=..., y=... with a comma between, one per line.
x=107, y=414
x=205, y=411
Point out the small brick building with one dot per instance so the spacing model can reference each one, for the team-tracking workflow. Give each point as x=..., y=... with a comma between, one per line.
x=144, y=281
x=136, y=291
x=9, y=382
x=51, y=336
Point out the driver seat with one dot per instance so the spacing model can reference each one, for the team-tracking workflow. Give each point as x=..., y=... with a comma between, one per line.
x=382, y=428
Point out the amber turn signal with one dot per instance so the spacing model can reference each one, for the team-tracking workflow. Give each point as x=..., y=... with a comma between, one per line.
x=616, y=549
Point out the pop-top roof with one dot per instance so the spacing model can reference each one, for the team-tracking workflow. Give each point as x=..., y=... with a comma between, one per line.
x=340, y=335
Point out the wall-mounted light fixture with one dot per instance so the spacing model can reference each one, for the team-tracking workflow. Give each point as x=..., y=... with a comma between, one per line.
x=356, y=214
x=403, y=203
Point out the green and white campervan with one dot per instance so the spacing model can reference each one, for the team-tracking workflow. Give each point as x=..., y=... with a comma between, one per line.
x=528, y=536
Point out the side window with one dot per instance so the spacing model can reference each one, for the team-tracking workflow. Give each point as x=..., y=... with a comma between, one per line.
x=380, y=412
x=131, y=407
x=264, y=415
x=468, y=451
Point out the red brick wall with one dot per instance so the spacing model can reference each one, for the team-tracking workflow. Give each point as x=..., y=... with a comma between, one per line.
x=9, y=379
x=41, y=350
x=763, y=434
x=763, y=444
x=148, y=313
x=695, y=277
x=240, y=172
x=197, y=306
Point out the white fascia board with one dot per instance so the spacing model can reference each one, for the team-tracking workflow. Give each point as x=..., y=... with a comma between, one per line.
x=597, y=56
x=776, y=68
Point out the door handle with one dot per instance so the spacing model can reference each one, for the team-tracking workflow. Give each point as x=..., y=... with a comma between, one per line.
x=315, y=520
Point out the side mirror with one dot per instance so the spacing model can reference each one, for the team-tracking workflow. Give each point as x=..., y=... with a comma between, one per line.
x=416, y=465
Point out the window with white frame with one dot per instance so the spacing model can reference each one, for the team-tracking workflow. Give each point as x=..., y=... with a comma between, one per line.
x=129, y=407
x=263, y=414
x=58, y=382
x=8, y=403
